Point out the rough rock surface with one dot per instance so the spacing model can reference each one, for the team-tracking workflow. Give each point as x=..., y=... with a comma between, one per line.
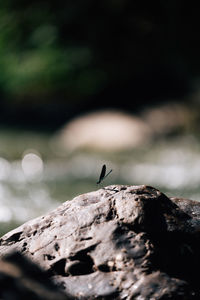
x=119, y=242
x=21, y=279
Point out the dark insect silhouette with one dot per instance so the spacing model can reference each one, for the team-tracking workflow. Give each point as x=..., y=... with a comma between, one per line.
x=103, y=174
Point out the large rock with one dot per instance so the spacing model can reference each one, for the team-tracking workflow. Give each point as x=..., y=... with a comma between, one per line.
x=119, y=242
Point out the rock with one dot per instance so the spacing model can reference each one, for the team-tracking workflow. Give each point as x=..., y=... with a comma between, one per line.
x=111, y=130
x=119, y=242
x=22, y=279
x=169, y=118
x=104, y=131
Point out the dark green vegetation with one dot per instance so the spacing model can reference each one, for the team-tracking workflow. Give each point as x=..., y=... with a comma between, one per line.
x=58, y=58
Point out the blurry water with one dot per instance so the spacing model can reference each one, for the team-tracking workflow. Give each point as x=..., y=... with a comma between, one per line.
x=35, y=177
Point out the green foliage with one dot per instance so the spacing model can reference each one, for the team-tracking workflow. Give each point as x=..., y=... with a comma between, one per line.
x=80, y=48
x=42, y=70
x=36, y=61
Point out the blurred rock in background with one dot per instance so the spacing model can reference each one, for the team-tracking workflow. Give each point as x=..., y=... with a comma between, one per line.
x=112, y=130
x=105, y=130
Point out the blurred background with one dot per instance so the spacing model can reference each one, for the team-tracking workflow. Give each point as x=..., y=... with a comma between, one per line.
x=83, y=83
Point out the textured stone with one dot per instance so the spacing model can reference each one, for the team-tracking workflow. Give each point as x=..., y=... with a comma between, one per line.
x=119, y=242
x=22, y=279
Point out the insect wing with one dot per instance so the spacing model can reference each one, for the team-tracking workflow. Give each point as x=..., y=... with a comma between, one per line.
x=107, y=173
x=103, y=173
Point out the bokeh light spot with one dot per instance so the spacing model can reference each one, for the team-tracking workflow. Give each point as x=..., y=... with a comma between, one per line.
x=32, y=165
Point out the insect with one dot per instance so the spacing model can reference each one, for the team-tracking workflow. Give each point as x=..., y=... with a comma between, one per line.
x=103, y=174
